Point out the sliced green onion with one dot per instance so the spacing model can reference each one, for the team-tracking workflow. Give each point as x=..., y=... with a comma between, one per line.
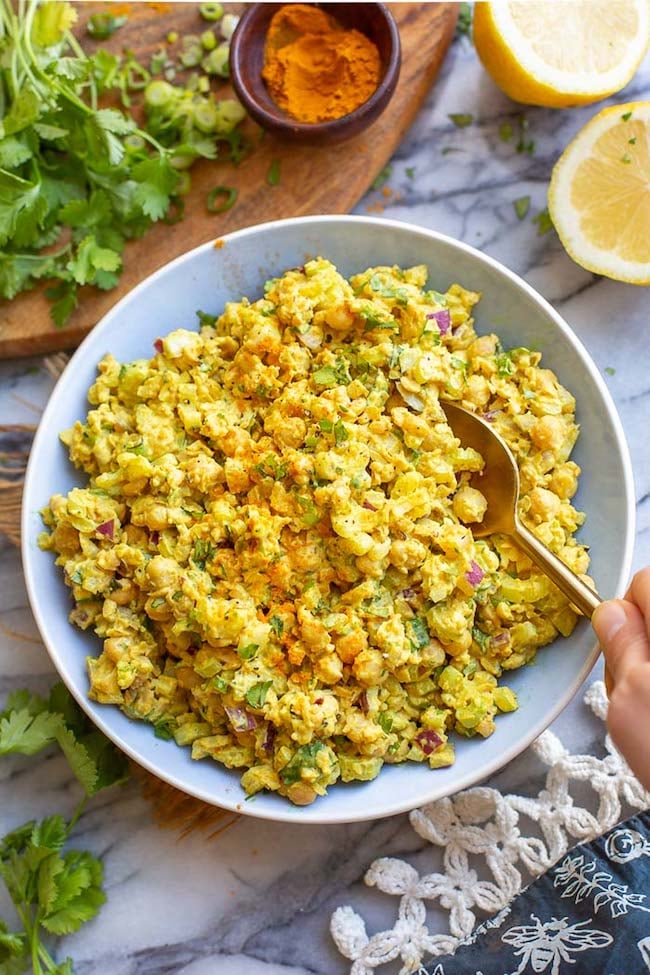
x=231, y=113
x=217, y=61
x=184, y=184
x=205, y=115
x=208, y=40
x=137, y=76
x=175, y=213
x=134, y=142
x=211, y=11
x=103, y=26
x=229, y=195
x=273, y=175
x=228, y=25
x=158, y=61
x=159, y=93
x=192, y=51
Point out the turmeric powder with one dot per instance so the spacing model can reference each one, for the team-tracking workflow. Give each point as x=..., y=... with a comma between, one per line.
x=314, y=68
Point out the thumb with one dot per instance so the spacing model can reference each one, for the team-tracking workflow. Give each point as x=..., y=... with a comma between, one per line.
x=621, y=631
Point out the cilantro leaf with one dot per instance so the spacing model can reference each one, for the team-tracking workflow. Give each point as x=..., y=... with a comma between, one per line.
x=22, y=209
x=340, y=433
x=79, y=760
x=304, y=757
x=22, y=733
x=70, y=891
x=14, y=151
x=91, y=258
x=50, y=834
x=90, y=212
x=51, y=21
x=544, y=222
x=464, y=24
x=113, y=121
x=24, y=110
x=461, y=119
x=156, y=182
x=12, y=947
x=382, y=178
x=256, y=695
x=28, y=724
x=521, y=206
x=419, y=632
x=276, y=625
x=65, y=294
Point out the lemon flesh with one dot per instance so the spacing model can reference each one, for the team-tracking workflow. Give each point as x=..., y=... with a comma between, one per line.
x=561, y=54
x=599, y=197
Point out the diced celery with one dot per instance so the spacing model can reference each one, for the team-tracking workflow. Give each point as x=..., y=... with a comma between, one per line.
x=450, y=679
x=505, y=699
x=185, y=734
x=359, y=768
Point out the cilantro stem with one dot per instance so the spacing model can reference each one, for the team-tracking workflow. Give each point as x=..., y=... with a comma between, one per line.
x=46, y=957
x=34, y=943
x=77, y=813
x=79, y=51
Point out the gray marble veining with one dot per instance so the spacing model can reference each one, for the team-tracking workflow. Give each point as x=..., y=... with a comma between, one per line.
x=257, y=899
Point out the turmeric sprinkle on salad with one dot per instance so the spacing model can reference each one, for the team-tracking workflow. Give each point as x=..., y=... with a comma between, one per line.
x=273, y=541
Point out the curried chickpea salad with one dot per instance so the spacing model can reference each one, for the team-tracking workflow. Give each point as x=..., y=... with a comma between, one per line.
x=273, y=542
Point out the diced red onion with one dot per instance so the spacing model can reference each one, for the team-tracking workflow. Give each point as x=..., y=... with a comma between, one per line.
x=442, y=320
x=363, y=702
x=491, y=415
x=475, y=575
x=410, y=398
x=408, y=594
x=271, y=734
x=428, y=741
x=158, y=346
x=366, y=504
x=313, y=340
x=241, y=720
x=501, y=639
x=107, y=528
x=319, y=700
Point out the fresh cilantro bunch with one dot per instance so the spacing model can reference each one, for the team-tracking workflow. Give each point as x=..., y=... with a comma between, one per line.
x=76, y=181
x=30, y=723
x=54, y=892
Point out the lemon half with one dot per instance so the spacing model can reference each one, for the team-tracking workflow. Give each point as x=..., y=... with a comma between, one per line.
x=561, y=53
x=599, y=197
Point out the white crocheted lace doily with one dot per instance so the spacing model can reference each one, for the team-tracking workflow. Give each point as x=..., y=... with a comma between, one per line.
x=482, y=828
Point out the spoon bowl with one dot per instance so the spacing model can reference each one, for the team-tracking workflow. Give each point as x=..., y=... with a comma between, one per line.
x=498, y=482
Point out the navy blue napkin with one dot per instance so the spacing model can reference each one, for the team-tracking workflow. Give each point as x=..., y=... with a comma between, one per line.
x=588, y=915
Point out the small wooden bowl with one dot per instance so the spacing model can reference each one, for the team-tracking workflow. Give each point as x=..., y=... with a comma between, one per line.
x=247, y=60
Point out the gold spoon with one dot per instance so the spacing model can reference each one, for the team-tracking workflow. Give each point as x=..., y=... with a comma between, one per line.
x=500, y=487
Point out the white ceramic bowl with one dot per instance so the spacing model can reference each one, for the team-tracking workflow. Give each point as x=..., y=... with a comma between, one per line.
x=207, y=277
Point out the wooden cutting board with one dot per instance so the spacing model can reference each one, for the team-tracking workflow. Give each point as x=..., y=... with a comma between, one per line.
x=312, y=179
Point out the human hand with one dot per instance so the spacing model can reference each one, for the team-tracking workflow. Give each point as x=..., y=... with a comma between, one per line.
x=623, y=629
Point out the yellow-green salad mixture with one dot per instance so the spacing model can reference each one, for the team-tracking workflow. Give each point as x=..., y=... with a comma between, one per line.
x=273, y=542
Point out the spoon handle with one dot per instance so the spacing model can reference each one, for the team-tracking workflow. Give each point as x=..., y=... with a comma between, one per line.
x=580, y=594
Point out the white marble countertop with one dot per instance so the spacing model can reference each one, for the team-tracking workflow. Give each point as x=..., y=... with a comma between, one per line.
x=258, y=898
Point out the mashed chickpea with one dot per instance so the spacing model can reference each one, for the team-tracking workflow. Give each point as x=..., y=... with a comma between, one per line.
x=273, y=543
